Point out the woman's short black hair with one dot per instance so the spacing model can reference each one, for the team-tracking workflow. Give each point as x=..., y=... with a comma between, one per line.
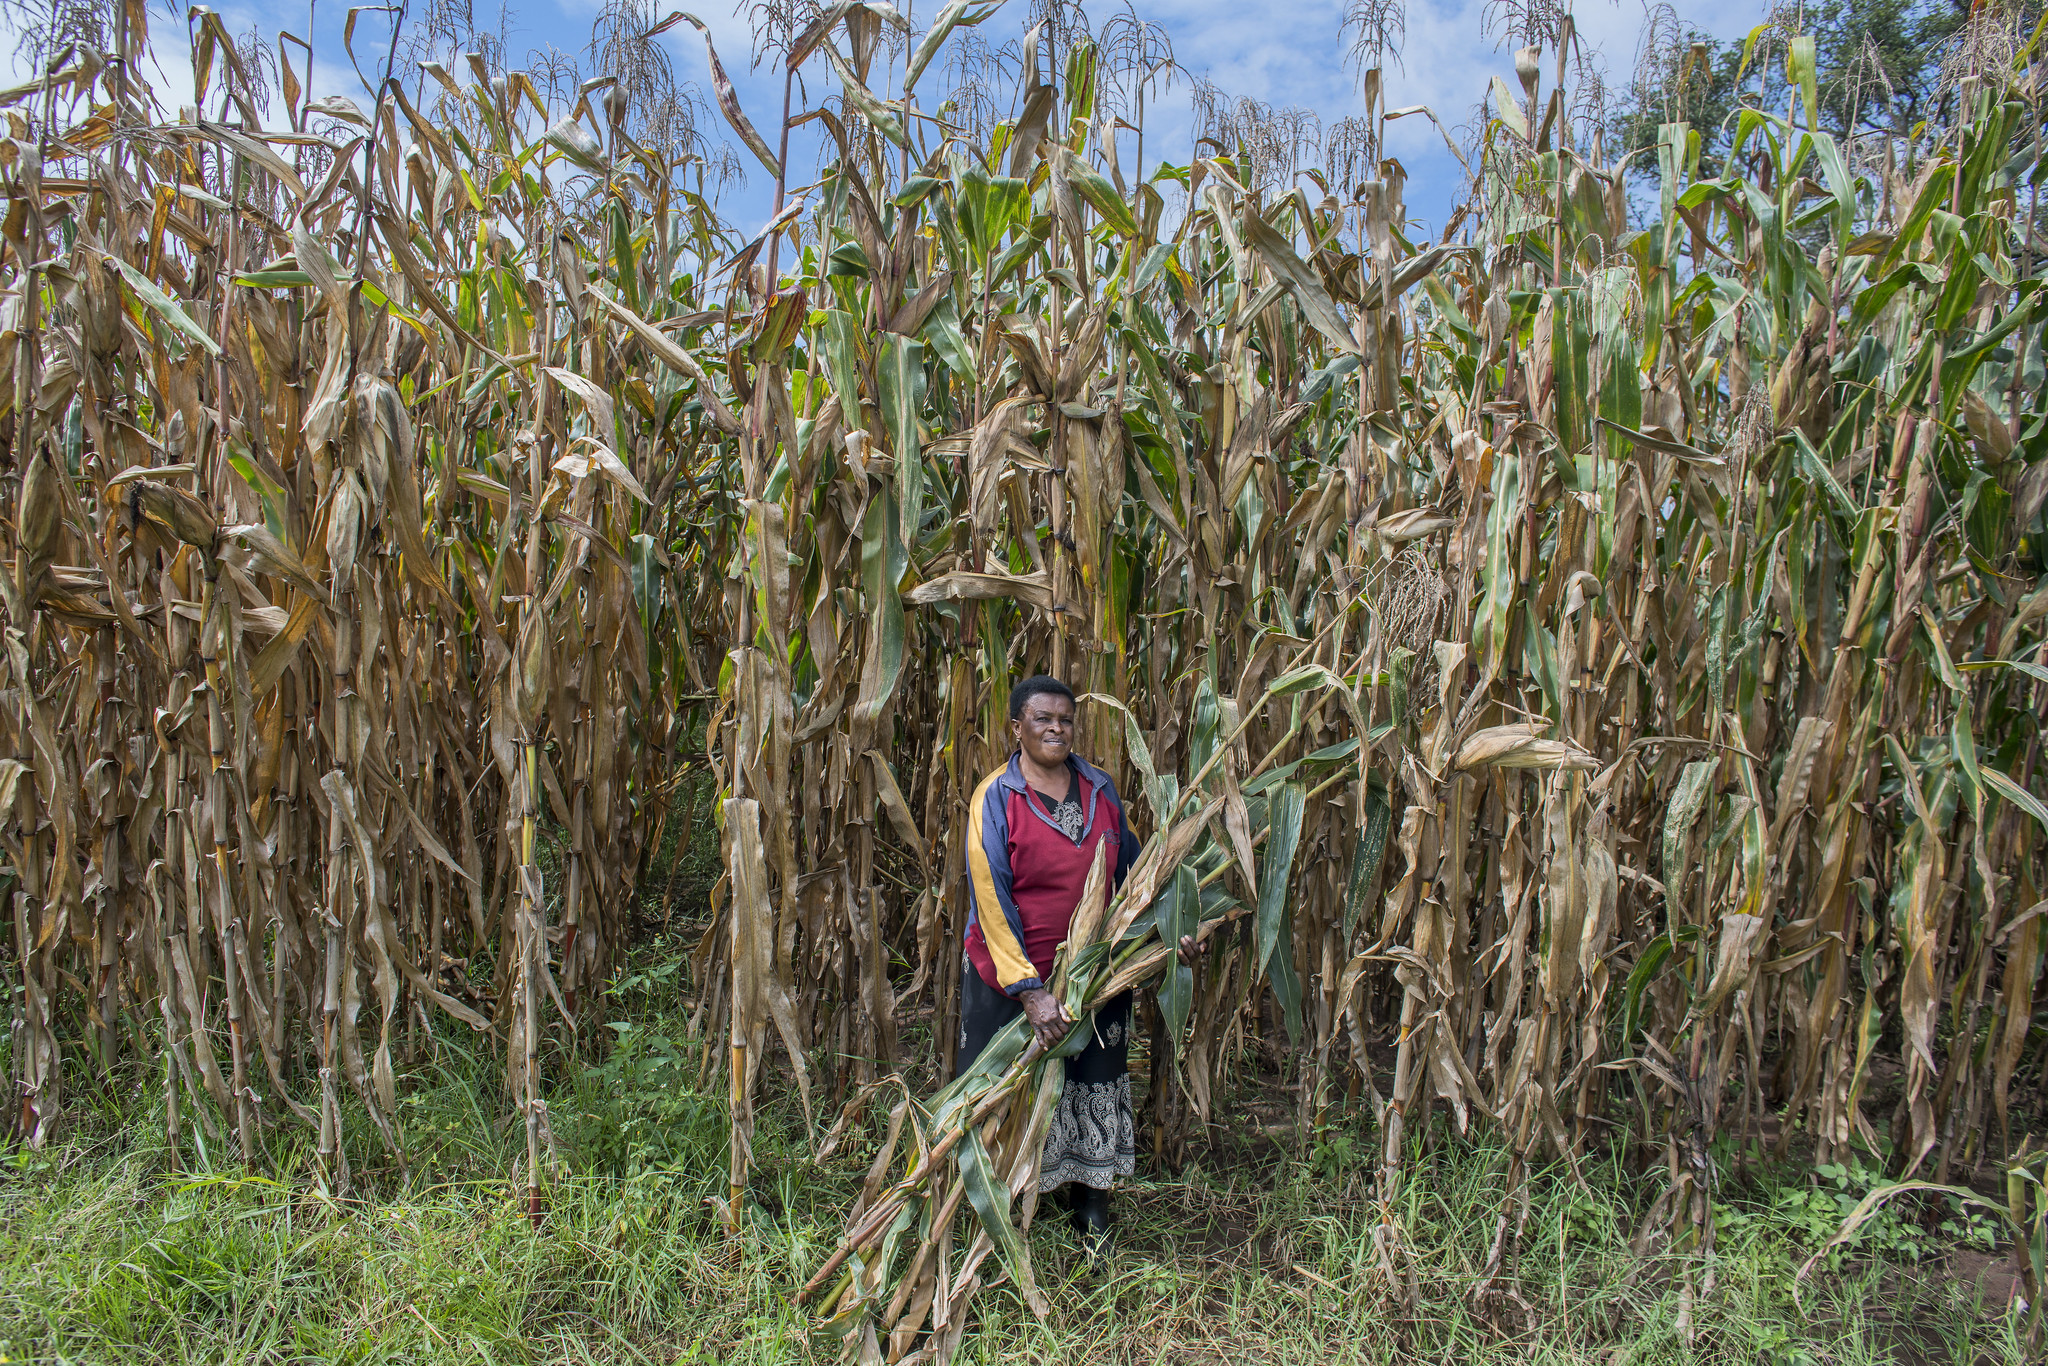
x=1038, y=685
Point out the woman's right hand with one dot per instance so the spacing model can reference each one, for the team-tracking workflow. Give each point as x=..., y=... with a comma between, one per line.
x=1046, y=1016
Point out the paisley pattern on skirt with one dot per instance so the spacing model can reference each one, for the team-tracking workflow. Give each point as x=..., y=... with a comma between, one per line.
x=1091, y=1140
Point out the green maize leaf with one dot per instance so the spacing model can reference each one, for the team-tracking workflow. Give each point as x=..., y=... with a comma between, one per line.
x=956, y=14
x=2005, y=787
x=645, y=559
x=1695, y=787
x=274, y=279
x=1369, y=852
x=991, y=1204
x=1207, y=726
x=1816, y=469
x=1276, y=867
x=1937, y=651
x=916, y=190
x=1963, y=740
x=271, y=494
x=1802, y=70
x=1655, y=955
x=1539, y=658
x=1020, y=251
x=899, y=372
x=1149, y=266
x=942, y=330
x=849, y=260
x=983, y=215
x=842, y=361
x=1094, y=187
x=164, y=306
x=2023, y=666
x=1273, y=777
x=1500, y=578
x=1178, y=914
x=1400, y=664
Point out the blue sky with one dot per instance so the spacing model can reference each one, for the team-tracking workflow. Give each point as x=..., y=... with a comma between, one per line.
x=1282, y=54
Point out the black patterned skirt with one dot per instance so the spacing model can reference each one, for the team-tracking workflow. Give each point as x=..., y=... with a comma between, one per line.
x=1091, y=1140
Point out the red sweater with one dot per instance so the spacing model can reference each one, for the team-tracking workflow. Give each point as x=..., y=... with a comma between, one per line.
x=1028, y=876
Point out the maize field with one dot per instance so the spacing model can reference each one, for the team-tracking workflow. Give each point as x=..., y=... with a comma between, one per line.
x=1581, y=673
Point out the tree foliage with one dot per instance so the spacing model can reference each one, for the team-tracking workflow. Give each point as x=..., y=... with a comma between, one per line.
x=1883, y=68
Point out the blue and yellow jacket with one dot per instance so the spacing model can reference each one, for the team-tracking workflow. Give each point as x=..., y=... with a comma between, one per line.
x=1028, y=876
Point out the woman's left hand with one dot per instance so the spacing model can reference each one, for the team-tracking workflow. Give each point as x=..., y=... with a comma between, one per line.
x=1191, y=950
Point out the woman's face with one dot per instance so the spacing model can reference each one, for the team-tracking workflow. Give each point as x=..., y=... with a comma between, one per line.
x=1046, y=730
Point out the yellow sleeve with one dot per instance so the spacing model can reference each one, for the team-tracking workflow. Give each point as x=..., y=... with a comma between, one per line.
x=988, y=864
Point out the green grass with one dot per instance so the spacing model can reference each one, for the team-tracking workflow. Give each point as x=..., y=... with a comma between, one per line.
x=1253, y=1253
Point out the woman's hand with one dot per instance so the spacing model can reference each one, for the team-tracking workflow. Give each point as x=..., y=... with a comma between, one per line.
x=1191, y=950
x=1046, y=1016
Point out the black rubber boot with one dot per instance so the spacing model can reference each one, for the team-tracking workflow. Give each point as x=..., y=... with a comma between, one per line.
x=1089, y=1214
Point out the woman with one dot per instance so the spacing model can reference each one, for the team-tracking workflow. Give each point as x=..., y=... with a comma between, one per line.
x=1033, y=830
